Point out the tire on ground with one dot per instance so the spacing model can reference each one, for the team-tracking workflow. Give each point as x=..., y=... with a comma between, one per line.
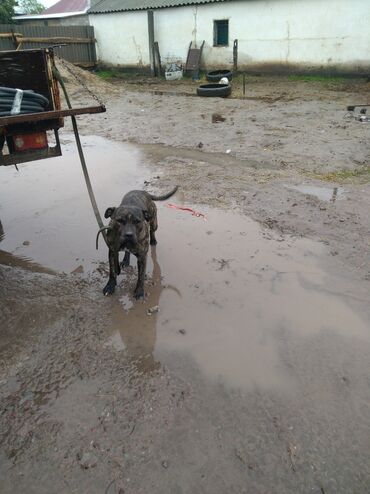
x=215, y=90
x=217, y=75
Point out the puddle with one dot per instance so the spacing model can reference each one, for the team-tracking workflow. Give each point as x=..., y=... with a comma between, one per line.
x=230, y=295
x=8, y=259
x=328, y=194
x=45, y=210
x=172, y=93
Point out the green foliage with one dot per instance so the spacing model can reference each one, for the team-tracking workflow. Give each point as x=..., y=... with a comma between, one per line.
x=345, y=175
x=7, y=11
x=30, y=7
x=113, y=73
x=106, y=74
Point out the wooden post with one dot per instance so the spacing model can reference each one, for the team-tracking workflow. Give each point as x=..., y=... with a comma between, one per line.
x=158, y=61
x=15, y=41
x=151, y=42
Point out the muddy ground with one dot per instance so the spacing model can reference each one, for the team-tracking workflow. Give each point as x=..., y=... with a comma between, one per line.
x=245, y=369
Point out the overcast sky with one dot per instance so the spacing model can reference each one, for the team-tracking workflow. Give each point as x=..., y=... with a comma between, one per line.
x=48, y=3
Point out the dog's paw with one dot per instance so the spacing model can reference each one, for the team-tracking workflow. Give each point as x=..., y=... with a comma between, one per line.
x=139, y=293
x=153, y=241
x=109, y=287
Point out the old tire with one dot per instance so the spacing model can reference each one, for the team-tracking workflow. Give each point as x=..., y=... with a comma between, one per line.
x=217, y=75
x=215, y=90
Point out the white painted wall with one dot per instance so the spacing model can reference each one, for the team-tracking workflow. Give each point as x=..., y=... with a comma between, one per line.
x=122, y=38
x=306, y=33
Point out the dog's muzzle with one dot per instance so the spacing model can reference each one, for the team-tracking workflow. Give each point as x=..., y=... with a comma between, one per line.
x=129, y=239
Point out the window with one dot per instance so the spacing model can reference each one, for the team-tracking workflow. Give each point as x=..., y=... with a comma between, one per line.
x=221, y=33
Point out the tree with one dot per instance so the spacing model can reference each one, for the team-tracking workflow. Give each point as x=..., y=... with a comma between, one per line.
x=30, y=7
x=7, y=11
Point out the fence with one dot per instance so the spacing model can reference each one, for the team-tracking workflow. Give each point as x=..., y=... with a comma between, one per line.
x=79, y=41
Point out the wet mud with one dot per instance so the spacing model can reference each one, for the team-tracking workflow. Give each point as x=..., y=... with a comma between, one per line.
x=244, y=369
x=46, y=213
x=219, y=289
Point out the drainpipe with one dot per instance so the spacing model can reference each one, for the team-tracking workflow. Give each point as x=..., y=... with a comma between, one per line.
x=151, y=41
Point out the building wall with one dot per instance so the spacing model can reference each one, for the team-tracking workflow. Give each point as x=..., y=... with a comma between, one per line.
x=122, y=38
x=271, y=34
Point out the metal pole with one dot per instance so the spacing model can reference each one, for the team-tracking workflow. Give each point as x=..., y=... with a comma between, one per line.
x=235, y=55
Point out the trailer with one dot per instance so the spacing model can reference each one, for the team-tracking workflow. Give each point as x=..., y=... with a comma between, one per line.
x=23, y=136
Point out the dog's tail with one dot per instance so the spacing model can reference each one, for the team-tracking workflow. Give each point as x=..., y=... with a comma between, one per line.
x=165, y=196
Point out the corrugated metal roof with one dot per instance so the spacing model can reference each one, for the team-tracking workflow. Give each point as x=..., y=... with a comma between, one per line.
x=64, y=6
x=106, y=6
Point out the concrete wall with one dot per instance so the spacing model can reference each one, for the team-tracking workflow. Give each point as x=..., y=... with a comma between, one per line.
x=272, y=34
x=122, y=38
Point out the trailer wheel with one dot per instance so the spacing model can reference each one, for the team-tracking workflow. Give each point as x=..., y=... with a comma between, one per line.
x=216, y=75
x=214, y=90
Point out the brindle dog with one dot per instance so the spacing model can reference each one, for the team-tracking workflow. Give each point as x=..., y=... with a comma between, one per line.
x=132, y=227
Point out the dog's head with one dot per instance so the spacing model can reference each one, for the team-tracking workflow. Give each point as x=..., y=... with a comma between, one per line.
x=130, y=223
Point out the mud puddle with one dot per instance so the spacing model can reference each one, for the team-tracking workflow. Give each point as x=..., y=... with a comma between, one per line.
x=228, y=296
x=47, y=219
x=328, y=194
x=172, y=93
x=223, y=293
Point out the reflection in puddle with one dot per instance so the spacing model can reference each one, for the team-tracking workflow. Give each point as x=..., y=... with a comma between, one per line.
x=135, y=327
x=8, y=259
x=45, y=209
x=329, y=194
x=243, y=293
x=230, y=294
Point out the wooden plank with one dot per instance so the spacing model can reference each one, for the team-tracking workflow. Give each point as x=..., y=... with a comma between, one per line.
x=55, y=40
x=10, y=35
x=157, y=59
x=193, y=59
x=49, y=115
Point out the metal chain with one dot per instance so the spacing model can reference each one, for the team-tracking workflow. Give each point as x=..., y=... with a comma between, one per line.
x=79, y=80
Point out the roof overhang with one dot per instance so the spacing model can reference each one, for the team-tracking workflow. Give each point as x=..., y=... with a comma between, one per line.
x=49, y=16
x=115, y=6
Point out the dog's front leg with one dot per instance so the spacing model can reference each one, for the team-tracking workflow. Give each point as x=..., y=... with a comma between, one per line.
x=126, y=260
x=112, y=282
x=141, y=268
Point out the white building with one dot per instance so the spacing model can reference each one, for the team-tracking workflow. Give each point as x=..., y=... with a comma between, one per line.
x=271, y=34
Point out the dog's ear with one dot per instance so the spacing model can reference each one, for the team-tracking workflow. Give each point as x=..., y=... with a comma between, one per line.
x=147, y=215
x=109, y=212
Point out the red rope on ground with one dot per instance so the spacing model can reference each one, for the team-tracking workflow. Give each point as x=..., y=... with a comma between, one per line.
x=189, y=210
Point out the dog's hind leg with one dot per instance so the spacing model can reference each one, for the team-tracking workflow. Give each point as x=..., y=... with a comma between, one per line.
x=153, y=228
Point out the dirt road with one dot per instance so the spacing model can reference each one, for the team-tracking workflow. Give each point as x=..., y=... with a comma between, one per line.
x=245, y=369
